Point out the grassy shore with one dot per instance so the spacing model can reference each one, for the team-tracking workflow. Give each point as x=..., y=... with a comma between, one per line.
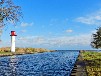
x=93, y=62
x=5, y=51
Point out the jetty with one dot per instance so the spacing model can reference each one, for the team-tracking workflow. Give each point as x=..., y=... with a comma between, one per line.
x=79, y=67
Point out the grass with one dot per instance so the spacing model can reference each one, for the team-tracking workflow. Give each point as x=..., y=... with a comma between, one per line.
x=5, y=53
x=93, y=62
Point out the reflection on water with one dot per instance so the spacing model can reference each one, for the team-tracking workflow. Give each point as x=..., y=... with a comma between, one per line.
x=12, y=64
x=44, y=64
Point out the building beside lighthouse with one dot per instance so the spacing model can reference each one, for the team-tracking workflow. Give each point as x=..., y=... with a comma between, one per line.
x=13, y=35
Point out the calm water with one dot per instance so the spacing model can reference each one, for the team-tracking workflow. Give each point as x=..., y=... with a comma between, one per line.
x=58, y=63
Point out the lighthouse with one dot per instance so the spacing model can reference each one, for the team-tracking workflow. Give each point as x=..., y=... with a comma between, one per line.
x=13, y=34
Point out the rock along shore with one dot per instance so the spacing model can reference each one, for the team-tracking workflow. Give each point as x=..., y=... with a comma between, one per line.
x=79, y=67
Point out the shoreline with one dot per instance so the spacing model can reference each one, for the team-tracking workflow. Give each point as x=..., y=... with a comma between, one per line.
x=12, y=54
x=87, y=64
x=5, y=51
x=79, y=68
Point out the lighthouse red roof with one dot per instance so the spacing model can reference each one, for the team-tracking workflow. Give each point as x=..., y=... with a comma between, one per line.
x=13, y=33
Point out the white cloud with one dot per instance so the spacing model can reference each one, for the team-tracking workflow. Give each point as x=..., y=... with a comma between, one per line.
x=91, y=19
x=86, y=20
x=83, y=40
x=94, y=31
x=23, y=31
x=69, y=31
x=98, y=17
x=24, y=24
x=54, y=42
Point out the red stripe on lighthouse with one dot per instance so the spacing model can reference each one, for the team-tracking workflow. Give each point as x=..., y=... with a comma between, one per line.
x=13, y=33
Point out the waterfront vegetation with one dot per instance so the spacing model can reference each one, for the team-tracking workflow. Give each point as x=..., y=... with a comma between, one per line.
x=5, y=51
x=92, y=60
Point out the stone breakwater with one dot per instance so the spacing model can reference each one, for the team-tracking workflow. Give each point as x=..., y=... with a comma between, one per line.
x=79, y=68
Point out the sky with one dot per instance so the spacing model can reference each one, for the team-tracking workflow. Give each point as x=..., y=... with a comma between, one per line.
x=55, y=24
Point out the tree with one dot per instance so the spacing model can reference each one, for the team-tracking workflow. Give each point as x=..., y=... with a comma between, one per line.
x=96, y=42
x=9, y=13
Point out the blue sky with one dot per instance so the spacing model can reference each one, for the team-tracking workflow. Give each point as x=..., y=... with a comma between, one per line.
x=55, y=24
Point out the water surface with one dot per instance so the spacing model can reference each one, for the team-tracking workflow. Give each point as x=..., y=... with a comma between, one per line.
x=59, y=63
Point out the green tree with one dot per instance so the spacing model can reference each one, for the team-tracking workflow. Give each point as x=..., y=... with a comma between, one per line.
x=96, y=41
x=9, y=13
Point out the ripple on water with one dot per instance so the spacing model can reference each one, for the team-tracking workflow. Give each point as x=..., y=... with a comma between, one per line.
x=57, y=63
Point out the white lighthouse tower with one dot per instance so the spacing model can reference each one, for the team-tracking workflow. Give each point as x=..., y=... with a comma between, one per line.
x=13, y=41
